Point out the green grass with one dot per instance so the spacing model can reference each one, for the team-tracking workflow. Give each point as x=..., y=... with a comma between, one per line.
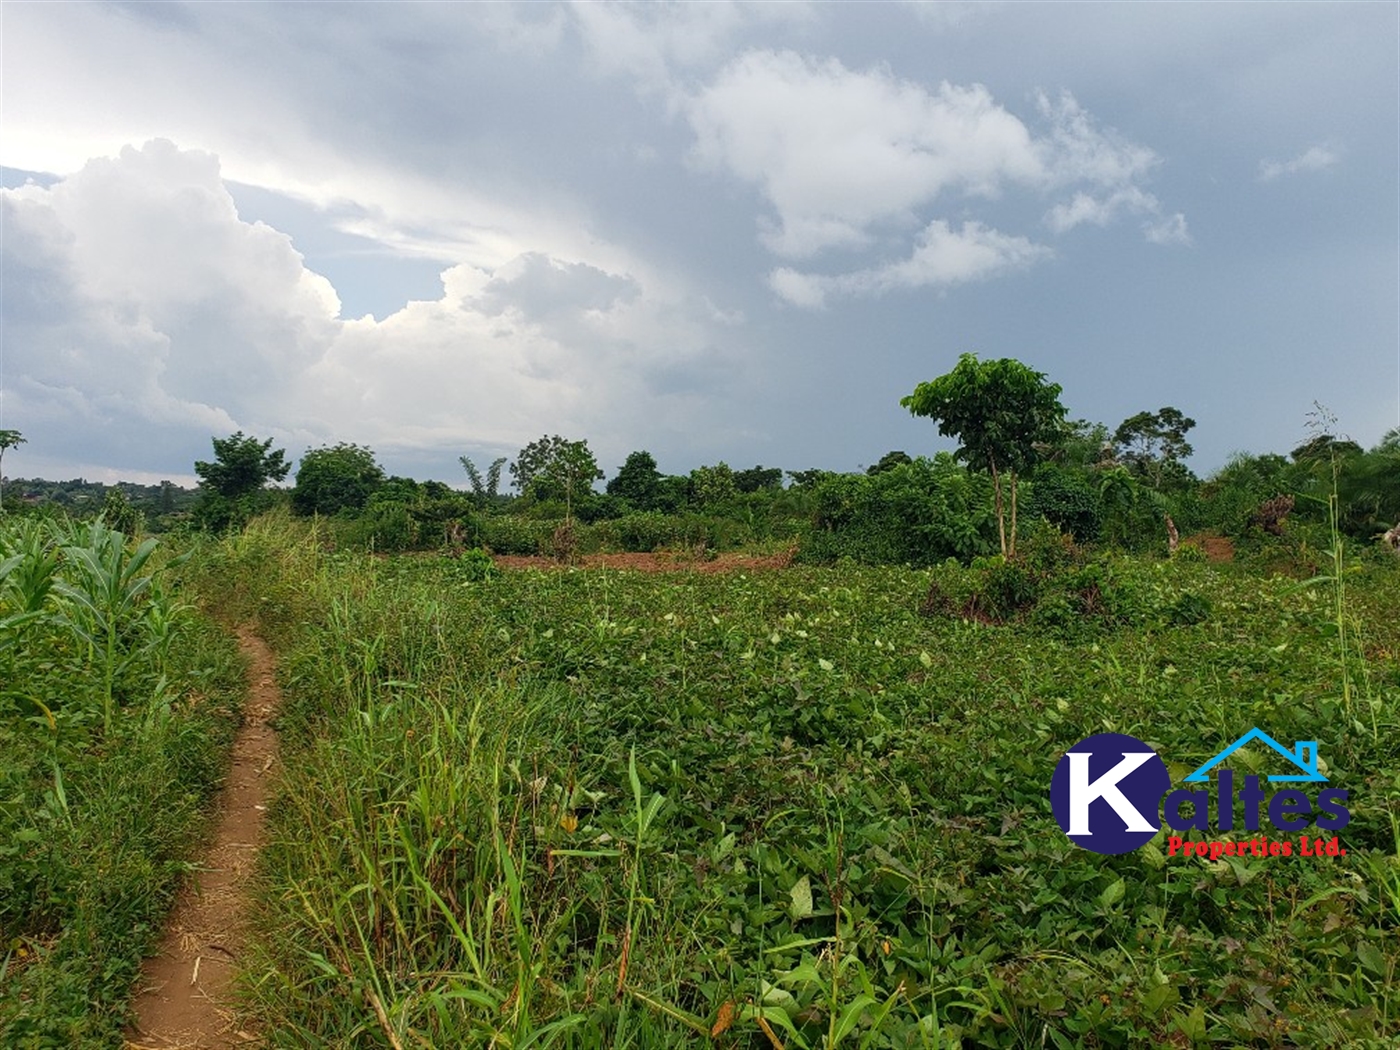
x=588, y=808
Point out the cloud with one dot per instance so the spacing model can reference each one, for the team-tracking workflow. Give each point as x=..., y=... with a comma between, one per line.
x=845, y=157
x=138, y=302
x=1169, y=230
x=1099, y=211
x=538, y=288
x=1315, y=158
x=657, y=43
x=942, y=257
x=122, y=265
x=837, y=152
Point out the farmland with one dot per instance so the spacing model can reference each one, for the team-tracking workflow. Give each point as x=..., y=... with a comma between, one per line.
x=595, y=807
x=773, y=805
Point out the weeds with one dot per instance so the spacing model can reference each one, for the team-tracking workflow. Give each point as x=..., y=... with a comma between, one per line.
x=584, y=808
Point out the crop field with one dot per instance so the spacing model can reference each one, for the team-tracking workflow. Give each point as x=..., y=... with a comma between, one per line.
x=805, y=807
x=117, y=704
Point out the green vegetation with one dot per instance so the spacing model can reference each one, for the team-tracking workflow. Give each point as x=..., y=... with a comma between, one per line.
x=598, y=808
x=116, y=706
x=8, y=439
x=759, y=809
x=1003, y=414
x=233, y=487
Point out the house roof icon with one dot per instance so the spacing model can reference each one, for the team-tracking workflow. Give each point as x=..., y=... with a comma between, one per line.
x=1303, y=755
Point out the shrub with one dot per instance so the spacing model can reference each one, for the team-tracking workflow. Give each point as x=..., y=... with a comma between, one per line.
x=917, y=513
x=508, y=534
x=476, y=565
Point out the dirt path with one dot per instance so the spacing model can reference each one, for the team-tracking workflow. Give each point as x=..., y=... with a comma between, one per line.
x=185, y=998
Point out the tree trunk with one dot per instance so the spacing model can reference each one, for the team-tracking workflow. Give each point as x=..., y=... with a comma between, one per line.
x=1001, y=517
x=1012, y=475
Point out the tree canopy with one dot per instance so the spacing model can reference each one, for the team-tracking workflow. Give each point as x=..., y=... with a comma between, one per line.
x=8, y=439
x=241, y=465
x=1152, y=445
x=553, y=468
x=1003, y=415
x=637, y=480
x=335, y=478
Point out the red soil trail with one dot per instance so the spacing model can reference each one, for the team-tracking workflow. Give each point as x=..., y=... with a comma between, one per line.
x=185, y=995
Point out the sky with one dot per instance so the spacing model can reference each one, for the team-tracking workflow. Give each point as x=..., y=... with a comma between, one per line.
x=715, y=231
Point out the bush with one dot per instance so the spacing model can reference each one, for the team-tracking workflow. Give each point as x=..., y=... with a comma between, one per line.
x=476, y=565
x=1069, y=500
x=507, y=534
x=917, y=513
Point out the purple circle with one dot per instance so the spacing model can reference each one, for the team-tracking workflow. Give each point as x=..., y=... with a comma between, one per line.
x=1108, y=799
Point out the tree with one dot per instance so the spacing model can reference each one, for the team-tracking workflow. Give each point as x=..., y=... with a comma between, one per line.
x=229, y=485
x=1153, y=444
x=552, y=468
x=1002, y=413
x=484, y=492
x=8, y=439
x=712, y=487
x=241, y=466
x=759, y=479
x=889, y=461
x=637, y=480
x=335, y=478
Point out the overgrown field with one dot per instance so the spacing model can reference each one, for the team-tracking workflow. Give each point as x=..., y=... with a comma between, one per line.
x=116, y=707
x=587, y=808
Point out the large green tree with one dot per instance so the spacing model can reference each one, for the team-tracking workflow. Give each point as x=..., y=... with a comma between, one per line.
x=335, y=478
x=1153, y=444
x=553, y=468
x=8, y=439
x=230, y=483
x=1004, y=415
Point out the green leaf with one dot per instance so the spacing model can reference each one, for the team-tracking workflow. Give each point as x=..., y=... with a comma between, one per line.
x=801, y=894
x=1112, y=893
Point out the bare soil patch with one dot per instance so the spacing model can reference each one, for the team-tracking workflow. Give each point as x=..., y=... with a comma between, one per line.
x=1216, y=548
x=660, y=561
x=185, y=997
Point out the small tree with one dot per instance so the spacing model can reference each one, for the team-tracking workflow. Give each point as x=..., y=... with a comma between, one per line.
x=242, y=467
x=484, y=492
x=1002, y=413
x=8, y=439
x=759, y=479
x=712, y=487
x=637, y=480
x=889, y=461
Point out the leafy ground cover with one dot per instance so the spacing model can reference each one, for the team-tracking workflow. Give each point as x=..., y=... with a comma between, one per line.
x=593, y=807
x=116, y=704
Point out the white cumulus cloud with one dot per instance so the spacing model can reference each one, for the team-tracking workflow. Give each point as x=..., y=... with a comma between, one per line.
x=137, y=301
x=836, y=151
x=942, y=257
x=851, y=159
